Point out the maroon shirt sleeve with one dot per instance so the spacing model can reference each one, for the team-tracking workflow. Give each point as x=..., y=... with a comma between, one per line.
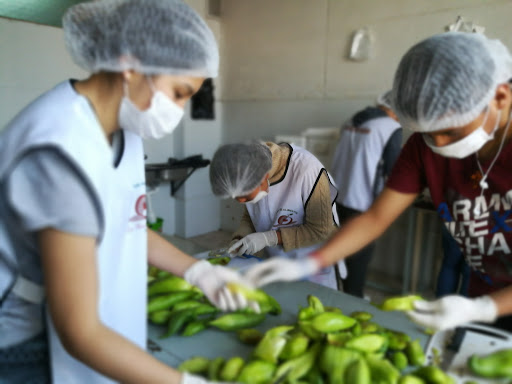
x=408, y=174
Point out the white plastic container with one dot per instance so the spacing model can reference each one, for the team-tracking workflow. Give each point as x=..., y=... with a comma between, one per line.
x=322, y=142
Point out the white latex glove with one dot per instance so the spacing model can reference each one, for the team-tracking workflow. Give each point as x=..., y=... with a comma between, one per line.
x=187, y=378
x=452, y=311
x=227, y=249
x=280, y=269
x=253, y=243
x=212, y=279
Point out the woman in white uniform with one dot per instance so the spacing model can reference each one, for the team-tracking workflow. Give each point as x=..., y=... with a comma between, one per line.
x=288, y=197
x=74, y=247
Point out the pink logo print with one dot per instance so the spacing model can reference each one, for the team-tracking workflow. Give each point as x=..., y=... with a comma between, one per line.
x=140, y=209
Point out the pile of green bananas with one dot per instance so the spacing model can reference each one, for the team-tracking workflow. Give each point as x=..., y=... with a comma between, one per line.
x=183, y=308
x=324, y=346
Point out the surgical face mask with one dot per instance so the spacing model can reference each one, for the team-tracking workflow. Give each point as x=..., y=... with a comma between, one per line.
x=260, y=195
x=160, y=119
x=468, y=145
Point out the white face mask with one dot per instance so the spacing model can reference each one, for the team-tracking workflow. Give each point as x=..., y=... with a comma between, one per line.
x=467, y=145
x=160, y=119
x=260, y=195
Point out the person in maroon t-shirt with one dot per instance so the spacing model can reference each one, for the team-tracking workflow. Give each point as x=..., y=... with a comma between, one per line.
x=453, y=90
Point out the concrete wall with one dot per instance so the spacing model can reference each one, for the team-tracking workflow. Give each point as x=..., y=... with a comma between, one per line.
x=285, y=62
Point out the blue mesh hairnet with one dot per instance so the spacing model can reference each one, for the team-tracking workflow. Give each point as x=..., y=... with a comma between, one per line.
x=237, y=169
x=148, y=36
x=448, y=79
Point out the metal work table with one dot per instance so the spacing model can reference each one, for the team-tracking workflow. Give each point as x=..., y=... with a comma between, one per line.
x=213, y=343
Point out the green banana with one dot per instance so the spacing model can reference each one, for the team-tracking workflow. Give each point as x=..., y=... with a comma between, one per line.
x=399, y=360
x=195, y=326
x=433, y=375
x=177, y=321
x=222, y=260
x=315, y=303
x=414, y=353
x=411, y=379
x=235, y=321
x=339, y=338
x=231, y=369
x=214, y=368
x=249, y=336
x=358, y=372
x=266, y=302
x=397, y=340
x=256, y=372
x=382, y=371
x=196, y=365
x=356, y=330
x=367, y=343
x=273, y=342
x=361, y=316
x=160, y=317
x=168, y=284
x=400, y=303
x=299, y=366
x=494, y=365
x=204, y=309
x=295, y=346
x=185, y=304
x=370, y=327
x=334, y=361
x=331, y=322
x=314, y=376
x=167, y=301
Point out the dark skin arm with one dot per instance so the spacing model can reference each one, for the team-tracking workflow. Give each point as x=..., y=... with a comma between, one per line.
x=365, y=228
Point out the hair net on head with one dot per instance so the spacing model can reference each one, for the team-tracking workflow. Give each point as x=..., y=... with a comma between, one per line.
x=148, y=36
x=447, y=80
x=237, y=169
x=384, y=99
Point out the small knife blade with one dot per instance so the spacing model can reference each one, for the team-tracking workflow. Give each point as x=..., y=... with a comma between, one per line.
x=218, y=253
x=453, y=347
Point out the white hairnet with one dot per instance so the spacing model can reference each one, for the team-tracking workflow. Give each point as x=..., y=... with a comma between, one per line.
x=384, y=99
x=237, y=169
x=148, y=36
x=447, y=80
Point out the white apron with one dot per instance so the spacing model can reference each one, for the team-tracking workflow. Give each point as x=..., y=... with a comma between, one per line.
x=72, y=129
x=356, y=161
x=285, y=206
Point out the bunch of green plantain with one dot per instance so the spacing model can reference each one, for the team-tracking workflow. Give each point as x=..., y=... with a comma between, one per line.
x=324, y=346
x=183, y=309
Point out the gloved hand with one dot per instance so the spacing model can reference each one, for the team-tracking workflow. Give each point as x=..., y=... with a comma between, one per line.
x=187, y=378
x=253, y=243
x=280, y=269
x=451, y=311
x=212, y=279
